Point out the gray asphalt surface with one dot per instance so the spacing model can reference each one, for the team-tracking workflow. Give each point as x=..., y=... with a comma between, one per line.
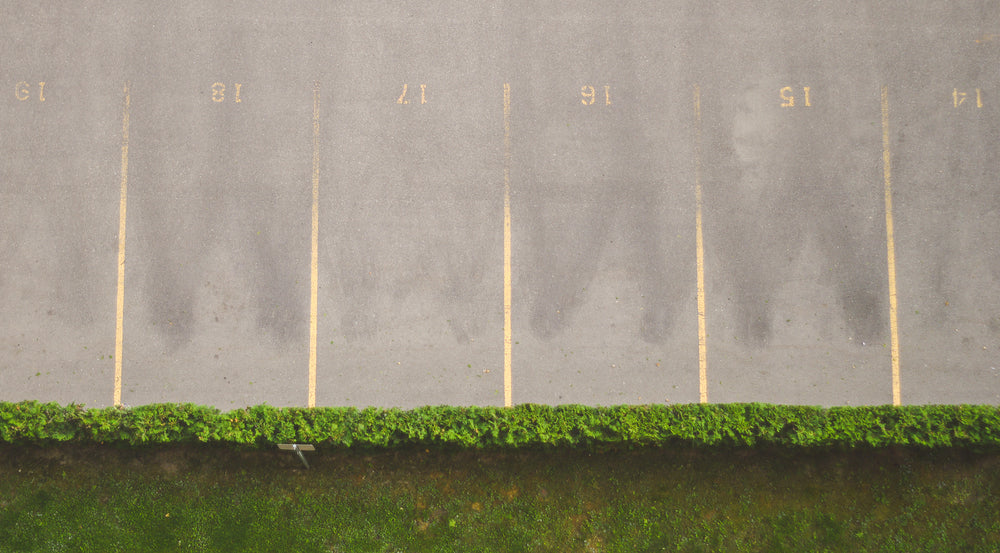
x=606, y=148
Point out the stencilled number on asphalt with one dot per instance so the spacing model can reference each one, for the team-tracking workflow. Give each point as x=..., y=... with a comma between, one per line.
x=22, y=91
x=590, y=95
x=404, y=100
x=219, y=92
x=788, y=99
x=959, y=98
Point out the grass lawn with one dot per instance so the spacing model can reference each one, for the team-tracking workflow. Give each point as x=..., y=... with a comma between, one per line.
x=191, y=498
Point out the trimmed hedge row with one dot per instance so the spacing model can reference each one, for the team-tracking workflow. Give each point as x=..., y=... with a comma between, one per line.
x=732, y=425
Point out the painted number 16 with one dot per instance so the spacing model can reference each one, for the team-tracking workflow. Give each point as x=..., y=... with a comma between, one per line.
x=589, y=95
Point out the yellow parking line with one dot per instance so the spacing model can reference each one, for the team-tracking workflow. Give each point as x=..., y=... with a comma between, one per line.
x=120, y=311
x=700, y=255
x=507, y=333
x=314, y=277
x=890, y=246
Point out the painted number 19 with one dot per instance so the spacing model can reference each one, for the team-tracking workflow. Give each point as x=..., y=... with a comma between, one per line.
x=23, y=91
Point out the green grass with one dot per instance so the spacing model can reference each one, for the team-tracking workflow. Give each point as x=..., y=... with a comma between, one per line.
x=76, y=498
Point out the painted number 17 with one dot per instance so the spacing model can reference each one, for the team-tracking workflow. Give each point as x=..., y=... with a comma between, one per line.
x=404, y=100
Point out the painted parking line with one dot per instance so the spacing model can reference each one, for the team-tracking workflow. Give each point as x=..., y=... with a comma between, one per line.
x=890, y=246
x=700, y=255
x=507, y=292
x=314, y=263
x=122, y=204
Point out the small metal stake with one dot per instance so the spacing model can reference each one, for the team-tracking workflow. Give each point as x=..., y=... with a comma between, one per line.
x=298, y=449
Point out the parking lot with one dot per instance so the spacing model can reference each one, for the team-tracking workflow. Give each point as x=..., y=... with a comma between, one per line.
x=453, y=203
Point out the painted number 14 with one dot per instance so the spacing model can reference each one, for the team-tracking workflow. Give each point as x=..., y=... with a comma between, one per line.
x=959, y=98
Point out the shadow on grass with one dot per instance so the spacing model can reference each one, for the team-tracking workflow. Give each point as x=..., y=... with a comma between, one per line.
x=196, y=498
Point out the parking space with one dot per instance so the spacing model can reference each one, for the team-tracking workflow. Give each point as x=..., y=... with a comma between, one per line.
x=603, y=203
x=217, y=253
x=797, y=286
x=58, y=220
x=947, y=127
x=411, y=209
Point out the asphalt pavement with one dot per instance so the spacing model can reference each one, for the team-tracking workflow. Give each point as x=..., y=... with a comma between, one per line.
x=340, y=204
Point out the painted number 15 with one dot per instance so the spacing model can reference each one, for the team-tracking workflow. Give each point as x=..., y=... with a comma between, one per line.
x=788, y=100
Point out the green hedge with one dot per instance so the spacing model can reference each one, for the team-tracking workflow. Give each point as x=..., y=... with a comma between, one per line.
x=732, y=425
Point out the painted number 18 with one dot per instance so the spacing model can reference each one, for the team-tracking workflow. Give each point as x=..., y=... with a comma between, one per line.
x=219, y=92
